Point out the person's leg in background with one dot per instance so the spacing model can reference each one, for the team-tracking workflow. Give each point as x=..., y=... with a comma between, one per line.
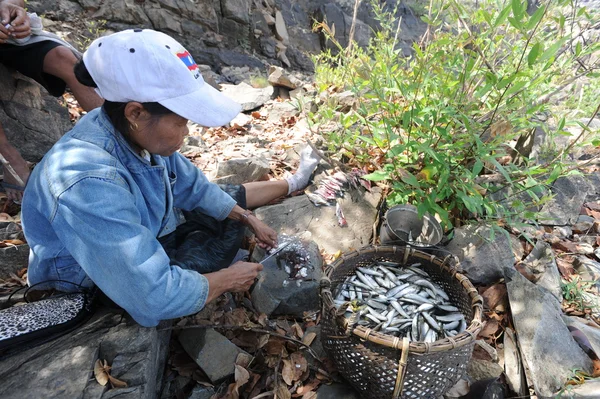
x=59, y=62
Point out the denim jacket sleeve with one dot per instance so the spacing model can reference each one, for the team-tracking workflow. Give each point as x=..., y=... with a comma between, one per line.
x=192, y=190
x=104, y=235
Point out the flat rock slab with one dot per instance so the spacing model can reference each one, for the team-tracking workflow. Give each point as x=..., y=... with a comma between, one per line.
x=482, y=256
x=241, y=170
x=249, y=97
x=547, y=346
x=275, y=293
x=570, y=194
x=213, y=352
x=63, y=368
x=542, y=262
x=297, y=215
x=13, y=259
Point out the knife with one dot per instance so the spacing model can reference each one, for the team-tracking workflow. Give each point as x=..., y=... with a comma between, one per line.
x=275, y=252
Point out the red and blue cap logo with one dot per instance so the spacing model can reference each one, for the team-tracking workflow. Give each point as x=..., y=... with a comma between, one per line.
x=189, y=62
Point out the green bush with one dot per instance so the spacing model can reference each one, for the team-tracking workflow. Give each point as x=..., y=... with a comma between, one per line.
x=435, y=127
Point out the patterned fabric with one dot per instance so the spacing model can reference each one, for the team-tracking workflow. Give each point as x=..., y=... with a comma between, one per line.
x=19, y=322
x=203, y=243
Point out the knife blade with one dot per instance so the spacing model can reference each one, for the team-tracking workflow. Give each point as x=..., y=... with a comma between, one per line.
x=275, y=252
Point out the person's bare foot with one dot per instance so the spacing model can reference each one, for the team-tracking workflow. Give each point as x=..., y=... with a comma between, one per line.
x=15, y=171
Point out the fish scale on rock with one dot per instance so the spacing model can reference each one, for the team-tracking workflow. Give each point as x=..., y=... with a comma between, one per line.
x=399, y=301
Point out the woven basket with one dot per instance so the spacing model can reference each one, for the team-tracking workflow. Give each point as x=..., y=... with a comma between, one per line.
x=382, y=366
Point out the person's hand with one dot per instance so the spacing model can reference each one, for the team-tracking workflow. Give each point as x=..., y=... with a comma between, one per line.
x=16, y=19
x=238, y=277
x=243, y=275
x=266, y=237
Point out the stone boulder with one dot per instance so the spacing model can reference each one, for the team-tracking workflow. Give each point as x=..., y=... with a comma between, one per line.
x=32, y=119
x=249, y=97
x=570, y=194
x=240, y=171
x=277, y=292
x=481, y=255
x=297, y=216
x=63, y=368
x=547, y=346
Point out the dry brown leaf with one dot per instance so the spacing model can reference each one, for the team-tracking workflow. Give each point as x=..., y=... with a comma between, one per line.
x=308, y=338
x=282, y=392
x=287, y=372
x=298, y=330
x=101, y=372
x=116, y=383
x=300, y=364
x=309, y=386
x=262, y=340
x=490, y=329
x=494, y=295
x=275, y=346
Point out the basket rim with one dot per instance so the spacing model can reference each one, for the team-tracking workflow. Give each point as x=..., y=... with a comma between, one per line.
x=416, y=347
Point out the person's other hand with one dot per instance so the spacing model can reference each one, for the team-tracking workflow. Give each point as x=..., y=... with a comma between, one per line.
x=242, y=275
x=266, y=237
x=17, y=20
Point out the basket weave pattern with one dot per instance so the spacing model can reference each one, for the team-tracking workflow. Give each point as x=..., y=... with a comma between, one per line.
x=369, y=359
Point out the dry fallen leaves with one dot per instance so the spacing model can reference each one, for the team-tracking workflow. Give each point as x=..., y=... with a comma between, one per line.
x=102, y=374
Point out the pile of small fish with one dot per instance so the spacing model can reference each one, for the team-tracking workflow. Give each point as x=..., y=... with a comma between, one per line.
x=399, y=301
x=333, y=187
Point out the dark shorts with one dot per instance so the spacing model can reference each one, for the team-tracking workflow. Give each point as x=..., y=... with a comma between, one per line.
x=29, y=60
x=203, y=243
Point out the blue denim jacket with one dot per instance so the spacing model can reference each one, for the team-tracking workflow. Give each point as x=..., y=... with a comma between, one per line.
x=92, y=212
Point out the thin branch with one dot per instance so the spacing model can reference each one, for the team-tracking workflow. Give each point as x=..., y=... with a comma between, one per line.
x=352, y=27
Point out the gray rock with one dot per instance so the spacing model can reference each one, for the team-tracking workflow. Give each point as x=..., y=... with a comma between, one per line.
x=584, y=248
x=280, y=111
x=547, y=346
x=238, y=10
x=563, y=209
x=239, y=171
x=542, y=263
x=337, y=391
x=482, y=258
x=279, y=77
x=281, y=29
x=562, y=231
x=588, y=269
x=591, y=331
x=32, y=119
x=480, y=369
x=201, y=392
x=584, y=224
x=63, y=368
x=513, y=365
x=13, y=259
x=249, y=97
x=213, y=352
x=275, y=293
x=588, y=390
x=297, y=215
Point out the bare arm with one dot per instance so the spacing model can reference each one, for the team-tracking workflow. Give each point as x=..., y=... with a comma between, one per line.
x=266, y=236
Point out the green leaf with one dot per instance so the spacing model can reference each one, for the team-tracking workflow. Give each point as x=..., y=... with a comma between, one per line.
x=578, y=49
x=561, y=124
x=535, y=18
x=533, y=54
x=378, y=175
x=515, y=88
x=477, y=168
x=500, y=168
x=554, y=175
x=502, y=16
x=596, y=142
x=367, y=140
x=516, y=8
x=551, y=51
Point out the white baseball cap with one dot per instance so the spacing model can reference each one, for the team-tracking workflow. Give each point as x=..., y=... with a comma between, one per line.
x=144, y=65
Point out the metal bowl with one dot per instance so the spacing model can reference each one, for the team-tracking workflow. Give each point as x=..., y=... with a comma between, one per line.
x=403, y=225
